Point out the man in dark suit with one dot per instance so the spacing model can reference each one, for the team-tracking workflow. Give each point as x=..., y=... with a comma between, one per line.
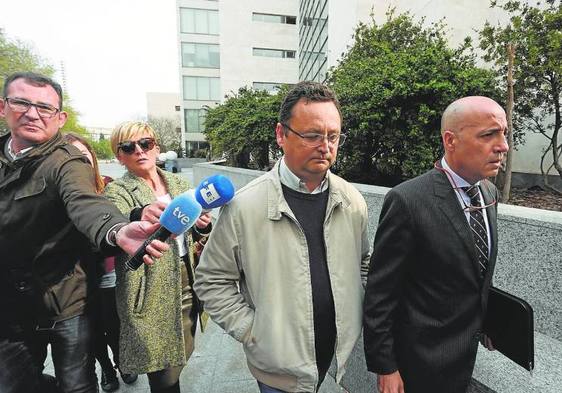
x=433, y=259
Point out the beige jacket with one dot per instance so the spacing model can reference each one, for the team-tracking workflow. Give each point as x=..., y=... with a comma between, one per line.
x=258, y=244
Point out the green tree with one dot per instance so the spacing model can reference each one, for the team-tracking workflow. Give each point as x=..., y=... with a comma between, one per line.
x=536, y=33
x=16, y=56
x=393, y=85
x=102, y=149
x=243, y=127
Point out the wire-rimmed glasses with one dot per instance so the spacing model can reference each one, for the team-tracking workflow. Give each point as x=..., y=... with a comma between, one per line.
x=313, y=139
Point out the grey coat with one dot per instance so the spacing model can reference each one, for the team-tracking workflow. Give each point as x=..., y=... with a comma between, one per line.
x=149, y=300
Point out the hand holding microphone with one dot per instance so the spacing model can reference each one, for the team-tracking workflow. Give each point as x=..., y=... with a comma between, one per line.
x=185, y=210
x=180, y=215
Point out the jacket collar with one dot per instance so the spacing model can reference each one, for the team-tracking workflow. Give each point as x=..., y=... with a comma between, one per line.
x=277, y=205
x=42, y=149
x=137, y=186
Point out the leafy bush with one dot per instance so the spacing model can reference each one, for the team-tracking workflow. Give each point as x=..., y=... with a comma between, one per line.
x=393, y=85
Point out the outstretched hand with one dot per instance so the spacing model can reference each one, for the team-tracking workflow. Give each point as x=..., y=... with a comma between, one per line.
x=203, y=221
x=152, y=212
x=133, y=235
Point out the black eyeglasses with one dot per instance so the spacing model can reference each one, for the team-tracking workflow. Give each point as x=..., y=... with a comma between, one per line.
x=19, y=105
x=467, y=208
x=313, y=139
x=129, y=147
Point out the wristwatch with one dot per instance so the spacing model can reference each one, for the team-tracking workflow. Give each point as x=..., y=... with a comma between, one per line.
x=112, y=234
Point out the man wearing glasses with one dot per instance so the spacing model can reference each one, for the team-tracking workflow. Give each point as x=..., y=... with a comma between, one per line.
x=51, y=215
x=284, y=271
x=433, y=259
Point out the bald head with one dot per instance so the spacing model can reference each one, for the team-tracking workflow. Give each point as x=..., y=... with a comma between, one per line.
x=456, y=115
x=473, y=131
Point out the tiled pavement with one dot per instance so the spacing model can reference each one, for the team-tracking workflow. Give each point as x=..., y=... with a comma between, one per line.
x=217, y=365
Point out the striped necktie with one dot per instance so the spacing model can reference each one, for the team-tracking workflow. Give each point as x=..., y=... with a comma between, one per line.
x=478, y=227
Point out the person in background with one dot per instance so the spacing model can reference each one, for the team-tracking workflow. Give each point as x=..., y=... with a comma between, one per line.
x=154, y=303
x=51, y=216
x=103, y=307
x=433, y=259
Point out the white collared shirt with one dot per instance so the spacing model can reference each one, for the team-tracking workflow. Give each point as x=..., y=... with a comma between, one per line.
x=289, y=179
x=463, y=196
x=12, y=155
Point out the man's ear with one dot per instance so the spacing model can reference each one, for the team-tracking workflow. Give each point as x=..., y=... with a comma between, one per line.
x=63, y=116
x=2, y=107
x=449, y=140
x=280, y=135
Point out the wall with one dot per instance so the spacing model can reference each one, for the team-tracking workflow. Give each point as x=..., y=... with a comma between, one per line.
x=239, y=34
x=162, y=104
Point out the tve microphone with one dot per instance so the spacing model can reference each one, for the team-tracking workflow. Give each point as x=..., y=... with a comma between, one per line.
x=180, y=215
x=214, y=191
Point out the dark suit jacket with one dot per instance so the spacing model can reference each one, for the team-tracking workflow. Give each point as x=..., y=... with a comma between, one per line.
x=425, y=300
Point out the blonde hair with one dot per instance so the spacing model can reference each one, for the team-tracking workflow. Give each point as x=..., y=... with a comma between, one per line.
x=127, y=130
x=73, y=137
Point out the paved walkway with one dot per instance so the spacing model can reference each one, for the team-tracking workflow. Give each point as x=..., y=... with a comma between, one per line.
x=217, y=365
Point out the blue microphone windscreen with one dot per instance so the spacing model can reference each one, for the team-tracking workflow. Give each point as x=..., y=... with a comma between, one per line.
x=181, y=213
x=214, y=191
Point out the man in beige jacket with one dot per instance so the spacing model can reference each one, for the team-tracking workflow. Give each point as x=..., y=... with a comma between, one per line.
x=284, y=270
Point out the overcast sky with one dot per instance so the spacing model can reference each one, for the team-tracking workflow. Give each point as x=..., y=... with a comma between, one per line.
x=113, y=51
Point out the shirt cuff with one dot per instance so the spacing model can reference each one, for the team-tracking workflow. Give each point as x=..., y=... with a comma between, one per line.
x=111, y=235
x=203, y=231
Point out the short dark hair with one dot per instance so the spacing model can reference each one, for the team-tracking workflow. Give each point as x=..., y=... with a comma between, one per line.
x=33, y=79
x=309, y=91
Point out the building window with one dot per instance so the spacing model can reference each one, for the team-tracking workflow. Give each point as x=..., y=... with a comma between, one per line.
x=200, y=55
x=313, y=40
x=278, y=53
x=197, y=21
x=201, y=88
x=196, y=149
x=194, y=120
x=270, y=87
x=272, y=18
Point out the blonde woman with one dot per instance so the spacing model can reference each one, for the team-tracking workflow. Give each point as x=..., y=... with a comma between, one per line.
x=154, y=302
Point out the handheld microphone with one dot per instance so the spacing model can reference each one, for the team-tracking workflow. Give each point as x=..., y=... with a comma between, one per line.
x=214, y=191
x=180, y=215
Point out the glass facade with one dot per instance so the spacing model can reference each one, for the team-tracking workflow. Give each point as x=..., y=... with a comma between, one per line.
x=271, y=87
x=196, y=149
x=272, y=18
x=313, y=39
x=197, y=21
x=200, y=55
x=201, y=88
x=278, y=53
x=194, y=120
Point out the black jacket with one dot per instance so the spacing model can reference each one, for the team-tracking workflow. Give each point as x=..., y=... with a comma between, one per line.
x=50, y=217
x=425, y=300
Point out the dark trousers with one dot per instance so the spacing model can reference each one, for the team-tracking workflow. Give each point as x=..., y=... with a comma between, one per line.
x=106, y=327
x=22, y=359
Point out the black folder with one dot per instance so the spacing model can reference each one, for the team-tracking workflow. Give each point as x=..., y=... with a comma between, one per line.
x=509, y=324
